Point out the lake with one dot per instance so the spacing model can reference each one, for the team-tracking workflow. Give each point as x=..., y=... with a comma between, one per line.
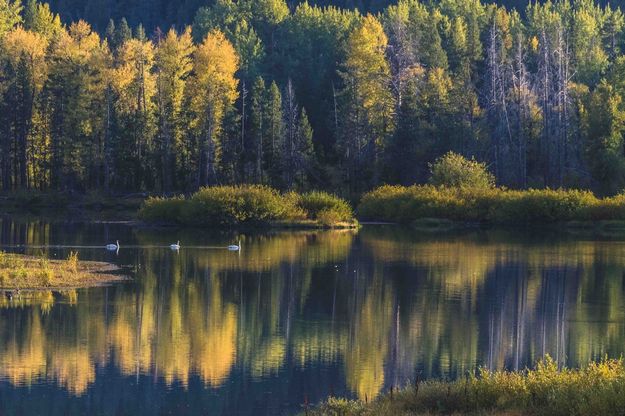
x=297, y=316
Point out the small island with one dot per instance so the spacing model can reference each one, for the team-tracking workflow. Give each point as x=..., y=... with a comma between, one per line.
x=25, y=272
x=250, y=206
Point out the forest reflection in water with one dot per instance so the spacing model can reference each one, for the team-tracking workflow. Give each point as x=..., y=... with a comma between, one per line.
x=304, y=314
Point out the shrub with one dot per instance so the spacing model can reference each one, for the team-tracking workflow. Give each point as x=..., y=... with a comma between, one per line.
x=454, y=170
x=230, y=205
x=492, y=205
x=162, y=209
x=322, y=204
x=245, y=205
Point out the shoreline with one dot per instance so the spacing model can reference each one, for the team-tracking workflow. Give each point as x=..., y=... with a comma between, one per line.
x=546, y=389
x=277, y=225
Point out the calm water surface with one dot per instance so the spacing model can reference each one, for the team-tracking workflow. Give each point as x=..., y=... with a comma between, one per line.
x=297, y=316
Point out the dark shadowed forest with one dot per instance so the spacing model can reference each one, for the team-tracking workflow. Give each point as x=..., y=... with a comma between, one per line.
x=165, y=13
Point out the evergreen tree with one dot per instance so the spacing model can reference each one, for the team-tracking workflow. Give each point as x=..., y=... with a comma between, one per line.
x=367, y=118
x=123, y=33
x=604, y=126
x=257, y=133
x=275, y=135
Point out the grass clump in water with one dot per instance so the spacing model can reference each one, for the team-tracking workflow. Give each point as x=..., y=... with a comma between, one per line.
x=596, y=390
x=246, y=205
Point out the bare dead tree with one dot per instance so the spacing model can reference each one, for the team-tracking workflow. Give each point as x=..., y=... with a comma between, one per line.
x=402, y=56
x=521, y=108
x=497, y=106
x=290, y=117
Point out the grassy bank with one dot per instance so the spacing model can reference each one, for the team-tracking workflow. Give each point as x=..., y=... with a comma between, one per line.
x=598, y=389
x=90, y=205
x=34, y=273
x=249, y=205
x=490, y=205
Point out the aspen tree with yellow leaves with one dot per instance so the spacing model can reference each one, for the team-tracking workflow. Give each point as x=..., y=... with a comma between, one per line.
x=173, y=64
x=367, y=113
x=211, y=90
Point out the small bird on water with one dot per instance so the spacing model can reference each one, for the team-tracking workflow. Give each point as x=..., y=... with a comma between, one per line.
x=234, y=247
x=113, y=247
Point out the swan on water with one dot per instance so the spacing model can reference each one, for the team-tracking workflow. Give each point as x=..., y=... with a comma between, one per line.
x=235, y=247
x=175, y=246
x=113, y=247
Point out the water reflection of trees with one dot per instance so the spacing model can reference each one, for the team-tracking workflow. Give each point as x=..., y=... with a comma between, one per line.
x=383, y=305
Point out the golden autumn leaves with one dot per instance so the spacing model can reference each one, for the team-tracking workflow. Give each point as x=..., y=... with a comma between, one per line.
x=83, y=99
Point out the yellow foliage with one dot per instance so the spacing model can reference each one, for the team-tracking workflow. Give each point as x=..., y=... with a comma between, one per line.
x=212, y=88
x=367, y=67
x=215, y=64
x=133, y=79
x=534, y=43
x=173, y=61
x=20, y=44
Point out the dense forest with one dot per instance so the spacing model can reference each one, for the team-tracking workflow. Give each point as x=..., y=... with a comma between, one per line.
x=165, y=13
x=306, y=96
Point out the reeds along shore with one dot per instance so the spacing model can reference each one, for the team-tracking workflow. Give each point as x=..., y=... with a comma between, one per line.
x=596, y=390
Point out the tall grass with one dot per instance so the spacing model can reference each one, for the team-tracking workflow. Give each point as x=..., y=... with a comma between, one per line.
x=596, y=390
x=36, y=272
x=245, y=205
x=495, y=205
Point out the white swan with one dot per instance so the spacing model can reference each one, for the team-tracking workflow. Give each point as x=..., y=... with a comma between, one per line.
x=113, y=247
x=175, y=246
x=235, y=247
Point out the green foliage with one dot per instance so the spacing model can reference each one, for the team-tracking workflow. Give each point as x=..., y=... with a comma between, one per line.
x=9, y=15
x=490, y=205
x=595, y=390
x=325, y=207
x=454, y=170
x=112, y=107
x=604, y=125
x=159, y=209
x=245, y=205
x=226, y=205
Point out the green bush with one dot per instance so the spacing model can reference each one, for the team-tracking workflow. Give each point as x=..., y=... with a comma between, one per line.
x=491, y=205
x=230, y=205
x=319, y=205
x=456, y=171
x=156, y=210
x=245, y=205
